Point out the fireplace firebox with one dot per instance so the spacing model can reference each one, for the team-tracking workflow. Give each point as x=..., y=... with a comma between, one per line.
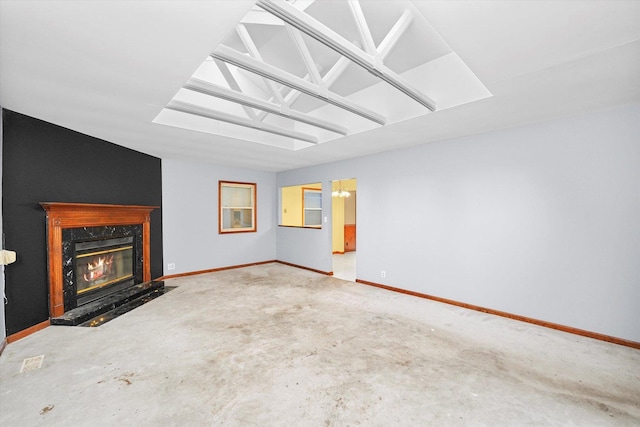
x=98, y=261
x=103, y=263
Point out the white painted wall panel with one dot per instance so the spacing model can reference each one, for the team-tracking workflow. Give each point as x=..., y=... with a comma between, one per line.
x=190, y=215
x=541, y=220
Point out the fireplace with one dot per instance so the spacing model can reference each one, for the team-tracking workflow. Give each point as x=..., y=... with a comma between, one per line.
x=98, y=261
x=95, y=251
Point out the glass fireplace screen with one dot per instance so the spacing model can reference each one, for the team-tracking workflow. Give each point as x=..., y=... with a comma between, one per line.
x=102, y=267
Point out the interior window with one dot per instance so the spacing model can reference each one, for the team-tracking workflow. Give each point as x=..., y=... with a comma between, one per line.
x=301, y=206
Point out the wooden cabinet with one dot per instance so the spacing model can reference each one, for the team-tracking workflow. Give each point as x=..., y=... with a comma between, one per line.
x=349, y=237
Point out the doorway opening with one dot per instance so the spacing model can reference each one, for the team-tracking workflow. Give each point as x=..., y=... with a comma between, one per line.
x=344, y=228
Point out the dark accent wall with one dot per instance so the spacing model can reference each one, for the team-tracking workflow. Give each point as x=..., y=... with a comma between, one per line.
x=43, y=162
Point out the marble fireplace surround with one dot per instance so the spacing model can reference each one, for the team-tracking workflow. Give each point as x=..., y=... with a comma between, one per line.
x=71, y=237
x=64, y=216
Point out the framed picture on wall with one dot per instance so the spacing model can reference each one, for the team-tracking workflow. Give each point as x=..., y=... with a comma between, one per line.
x=236, y=207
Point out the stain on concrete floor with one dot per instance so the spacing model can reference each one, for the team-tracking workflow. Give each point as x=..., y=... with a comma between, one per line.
x=275, y=345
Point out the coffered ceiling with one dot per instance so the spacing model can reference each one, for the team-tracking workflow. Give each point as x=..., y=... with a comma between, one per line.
x=275, y=85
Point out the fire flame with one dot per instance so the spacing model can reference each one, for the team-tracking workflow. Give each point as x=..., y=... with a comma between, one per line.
x=98, y=268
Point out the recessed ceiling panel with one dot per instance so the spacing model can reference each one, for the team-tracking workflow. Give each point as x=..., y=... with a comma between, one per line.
x=294, y=74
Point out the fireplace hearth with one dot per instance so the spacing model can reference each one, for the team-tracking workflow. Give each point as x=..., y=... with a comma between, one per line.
x=98, y=259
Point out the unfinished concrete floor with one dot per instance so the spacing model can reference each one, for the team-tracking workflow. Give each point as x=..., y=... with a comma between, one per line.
x=273, y=345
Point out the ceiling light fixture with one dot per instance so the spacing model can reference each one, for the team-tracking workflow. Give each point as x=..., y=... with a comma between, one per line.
x=340, y=192
x=333, y=40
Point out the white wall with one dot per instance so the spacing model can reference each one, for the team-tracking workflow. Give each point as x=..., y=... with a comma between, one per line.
x=307, y=247
x=541, y=220
x=190, y=215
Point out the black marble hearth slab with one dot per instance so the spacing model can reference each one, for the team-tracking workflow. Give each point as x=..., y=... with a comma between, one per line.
x=125, y=308
x=103, y=305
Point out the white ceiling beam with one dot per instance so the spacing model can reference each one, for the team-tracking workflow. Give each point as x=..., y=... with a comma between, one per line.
x=394, y=34
x=254, y=52
x=332, y=75
x=333, y=40
x=261, y=17
x=302, y=4
x=233, y=84
x=330, y=78
x=232, y=56
x=296, y=36
x=336, y=71
x=196, y=110
x=363, y=28
x=246, y=39
x=207, y=88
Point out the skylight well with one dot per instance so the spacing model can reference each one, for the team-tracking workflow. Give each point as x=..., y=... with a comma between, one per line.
x=294, y=74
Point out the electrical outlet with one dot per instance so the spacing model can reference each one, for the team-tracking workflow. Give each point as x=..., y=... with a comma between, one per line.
x=171, y=266
x=383, y=274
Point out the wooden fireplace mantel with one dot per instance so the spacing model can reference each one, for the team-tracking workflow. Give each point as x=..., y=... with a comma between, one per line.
x=73, y=215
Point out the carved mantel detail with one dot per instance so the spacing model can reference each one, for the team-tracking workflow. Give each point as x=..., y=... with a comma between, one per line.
x=73, y=215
